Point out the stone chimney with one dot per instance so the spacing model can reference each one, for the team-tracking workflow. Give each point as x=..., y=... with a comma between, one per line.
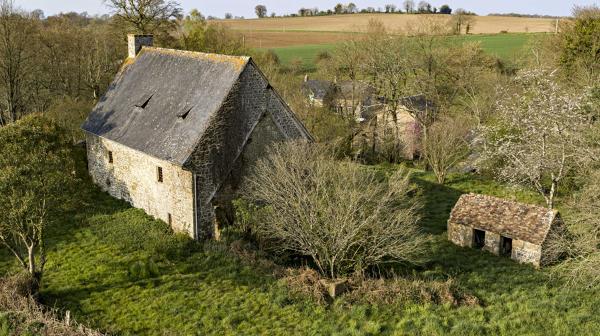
x=136, y=42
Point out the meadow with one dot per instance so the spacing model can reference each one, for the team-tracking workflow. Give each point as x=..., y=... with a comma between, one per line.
x=507, y=47
x=121, y=271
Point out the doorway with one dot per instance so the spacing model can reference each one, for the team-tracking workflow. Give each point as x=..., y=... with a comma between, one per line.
x=505, y=246
x=478, y=239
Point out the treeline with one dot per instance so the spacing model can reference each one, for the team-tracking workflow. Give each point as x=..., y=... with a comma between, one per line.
x=533, y=16
x=62, y=64
x=407, y=7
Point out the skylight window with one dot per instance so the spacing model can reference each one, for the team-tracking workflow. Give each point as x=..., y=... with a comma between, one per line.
x=185, y=112
x=144, y=100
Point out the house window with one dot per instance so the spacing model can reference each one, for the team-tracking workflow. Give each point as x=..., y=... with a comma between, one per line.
x=110, y=157
x=159, y=174
x=505, y=246
x=478, y=239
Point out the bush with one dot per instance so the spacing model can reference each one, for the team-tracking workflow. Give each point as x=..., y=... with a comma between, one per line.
x=154, y=237
x=339, y=214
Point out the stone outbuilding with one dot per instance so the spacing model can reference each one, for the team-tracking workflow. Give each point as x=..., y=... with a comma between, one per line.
x=516, y=230
x=176, y=132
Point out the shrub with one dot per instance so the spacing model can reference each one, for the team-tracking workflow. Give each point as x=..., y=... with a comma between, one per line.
x=339, y=214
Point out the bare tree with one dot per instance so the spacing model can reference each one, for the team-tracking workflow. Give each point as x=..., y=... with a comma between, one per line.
x=409, y=6
x=446, y=145
x=17, y=45
x=145, y=16
x=540, y=135
x=337, y=213
x=261, y=11
x=578, y=247
x=463, y=20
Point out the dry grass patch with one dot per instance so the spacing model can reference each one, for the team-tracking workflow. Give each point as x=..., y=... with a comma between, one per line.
x=393, y=22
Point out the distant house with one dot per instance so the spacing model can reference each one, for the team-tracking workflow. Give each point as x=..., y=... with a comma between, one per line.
x=176, y=132
x=516, y=230
x=316, y=90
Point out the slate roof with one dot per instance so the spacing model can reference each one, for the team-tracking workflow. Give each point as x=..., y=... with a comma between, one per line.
x=161, y=102
x=515, y=220
x=318, y=88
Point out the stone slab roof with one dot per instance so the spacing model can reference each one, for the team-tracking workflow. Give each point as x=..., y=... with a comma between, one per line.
x=515, y=220
x=161, y=102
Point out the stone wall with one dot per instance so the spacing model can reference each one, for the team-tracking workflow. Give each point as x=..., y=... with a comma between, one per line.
x=522, y=251
x=460, y=235
x=217, y=155
x=525, y=252
x=133, y=177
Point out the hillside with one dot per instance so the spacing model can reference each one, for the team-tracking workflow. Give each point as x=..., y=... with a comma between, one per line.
x=281, y=32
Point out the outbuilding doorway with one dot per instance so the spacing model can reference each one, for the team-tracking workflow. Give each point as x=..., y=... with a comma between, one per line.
x=505, y=246
x=478, y=239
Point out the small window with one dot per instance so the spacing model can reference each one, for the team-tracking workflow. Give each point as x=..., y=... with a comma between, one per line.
x=159, y=172
x=478, y=239
x=110, y=157
x=170, y=219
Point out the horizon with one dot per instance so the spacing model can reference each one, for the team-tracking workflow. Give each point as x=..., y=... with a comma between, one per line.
x=246, y=9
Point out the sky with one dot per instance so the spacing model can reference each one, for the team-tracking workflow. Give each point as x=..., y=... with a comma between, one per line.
x=246, y=8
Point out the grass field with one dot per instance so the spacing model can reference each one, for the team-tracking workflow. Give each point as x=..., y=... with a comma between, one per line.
x=118, y=270
x=504, y=46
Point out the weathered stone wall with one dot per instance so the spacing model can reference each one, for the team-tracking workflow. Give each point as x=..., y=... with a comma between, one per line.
x=133, y=177
x=492, y=242
x=525, y=252
x=460, y=235
x=217, y=154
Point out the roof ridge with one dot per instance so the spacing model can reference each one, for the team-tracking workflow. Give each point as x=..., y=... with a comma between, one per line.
x=510, y=201
x=238, y=61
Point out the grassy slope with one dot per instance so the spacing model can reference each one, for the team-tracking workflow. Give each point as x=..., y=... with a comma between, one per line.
x=505, y=46
x=209, y=292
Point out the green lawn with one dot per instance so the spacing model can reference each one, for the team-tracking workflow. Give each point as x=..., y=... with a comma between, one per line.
x=504, y=46
x=115, y=269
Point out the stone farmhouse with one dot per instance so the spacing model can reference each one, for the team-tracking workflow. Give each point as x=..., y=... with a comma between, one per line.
x=176, y=132
x=516, y=230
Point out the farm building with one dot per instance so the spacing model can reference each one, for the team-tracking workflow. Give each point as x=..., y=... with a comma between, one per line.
x=516, y=230
x=176, y=131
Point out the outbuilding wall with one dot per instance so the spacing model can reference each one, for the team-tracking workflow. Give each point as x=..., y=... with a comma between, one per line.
x=522, y=251
x=133, y=177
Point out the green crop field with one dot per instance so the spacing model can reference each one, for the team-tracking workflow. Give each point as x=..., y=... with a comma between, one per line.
x=121, y=271
x=504, y=46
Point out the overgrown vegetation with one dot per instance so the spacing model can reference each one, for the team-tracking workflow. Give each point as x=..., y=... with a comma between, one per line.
x=120, y=271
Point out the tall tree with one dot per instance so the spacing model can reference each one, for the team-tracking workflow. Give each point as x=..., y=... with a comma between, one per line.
x=36, y=176
x=409, y=6
x=261, y=11
x=145, y=16
x=18, y=37
x=540, y=139
x=445, y=9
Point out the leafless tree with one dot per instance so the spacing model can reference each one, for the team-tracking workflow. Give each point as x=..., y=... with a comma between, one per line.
x=578, y=248
x=145, y=16
x=540, y=135
x=463, y=20
x=409, y=6
x=338, y=213
x=446, y=145
x=17, y=44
